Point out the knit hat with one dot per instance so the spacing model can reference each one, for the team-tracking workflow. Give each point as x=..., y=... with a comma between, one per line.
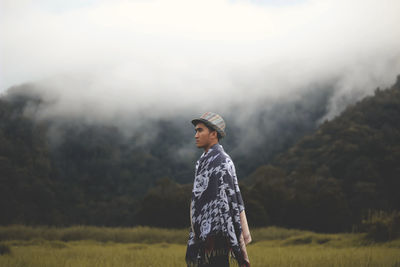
x=212, y=120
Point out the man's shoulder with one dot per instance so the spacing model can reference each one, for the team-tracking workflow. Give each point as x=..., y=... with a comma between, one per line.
x=217, y=149
x=221, y=156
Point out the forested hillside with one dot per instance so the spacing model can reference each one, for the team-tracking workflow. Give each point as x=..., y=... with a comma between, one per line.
x=27, y=193
x=91, y=174
x=60, y=171
x=330, y=180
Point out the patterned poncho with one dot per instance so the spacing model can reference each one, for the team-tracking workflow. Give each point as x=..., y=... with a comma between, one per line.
x=215, y=207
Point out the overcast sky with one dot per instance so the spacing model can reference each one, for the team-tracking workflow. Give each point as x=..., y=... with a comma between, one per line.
x=132, y=55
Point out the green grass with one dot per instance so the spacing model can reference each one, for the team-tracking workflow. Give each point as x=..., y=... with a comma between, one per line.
x=269, y=253
x=83, y=246
x=93, y=253
x=102, y=234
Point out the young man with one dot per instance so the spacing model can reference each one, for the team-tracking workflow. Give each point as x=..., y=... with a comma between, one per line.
x=218, y=221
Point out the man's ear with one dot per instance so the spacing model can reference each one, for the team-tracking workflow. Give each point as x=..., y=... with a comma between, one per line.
x=214, y=134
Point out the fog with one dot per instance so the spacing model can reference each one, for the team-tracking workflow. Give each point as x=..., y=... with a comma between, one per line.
x=119, y=61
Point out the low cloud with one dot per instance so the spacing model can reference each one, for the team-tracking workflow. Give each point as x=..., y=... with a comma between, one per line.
x=119, y=61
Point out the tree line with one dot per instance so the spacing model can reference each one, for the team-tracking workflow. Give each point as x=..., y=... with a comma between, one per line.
x=328, y=181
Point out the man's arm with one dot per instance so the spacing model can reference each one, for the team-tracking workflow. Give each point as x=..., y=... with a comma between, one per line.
x=243, y=249
x=245, y=237
x=245, y=228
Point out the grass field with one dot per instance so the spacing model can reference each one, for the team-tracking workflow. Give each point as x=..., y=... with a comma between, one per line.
x=143, y=246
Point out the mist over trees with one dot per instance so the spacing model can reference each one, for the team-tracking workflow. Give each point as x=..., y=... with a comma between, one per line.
x=330, y=179
x=59, y=171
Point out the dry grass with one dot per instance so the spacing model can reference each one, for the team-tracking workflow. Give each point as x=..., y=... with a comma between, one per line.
x=137, y=234
x=142, y=246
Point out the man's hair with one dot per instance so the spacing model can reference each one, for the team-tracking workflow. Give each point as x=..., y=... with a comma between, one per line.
x=211, y=129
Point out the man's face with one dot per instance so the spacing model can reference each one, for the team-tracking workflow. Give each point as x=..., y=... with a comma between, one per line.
x=203, y=135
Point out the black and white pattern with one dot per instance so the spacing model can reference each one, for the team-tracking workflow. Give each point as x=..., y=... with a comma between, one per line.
x=216, y=204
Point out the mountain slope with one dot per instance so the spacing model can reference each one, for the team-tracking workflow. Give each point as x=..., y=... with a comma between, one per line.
x=329, y=180
x=64, y=171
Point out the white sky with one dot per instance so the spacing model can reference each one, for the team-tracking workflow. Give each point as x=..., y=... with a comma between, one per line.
x=124, y=55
